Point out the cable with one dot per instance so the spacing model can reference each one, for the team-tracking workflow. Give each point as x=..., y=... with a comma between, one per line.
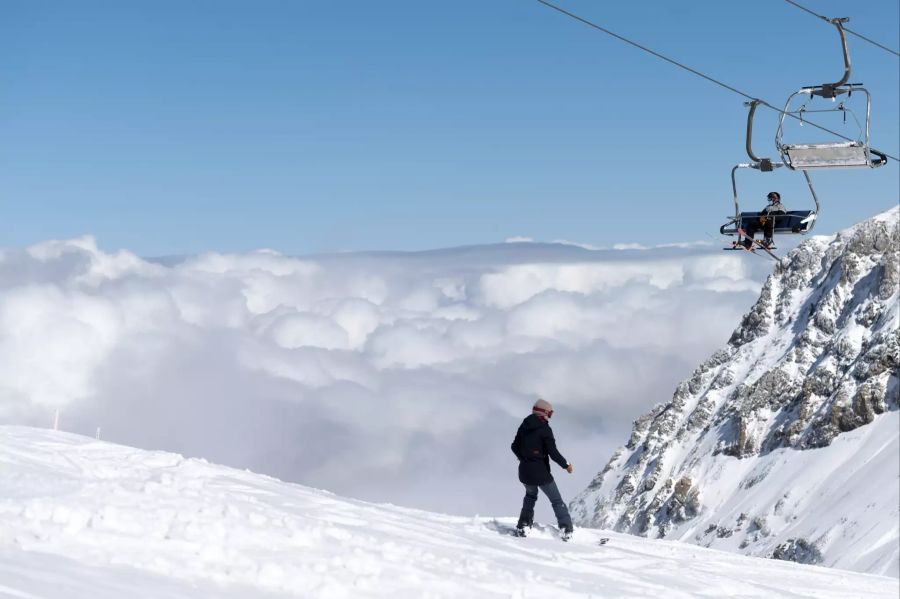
x=645, y=49
x=847, y=29
x=694, y=71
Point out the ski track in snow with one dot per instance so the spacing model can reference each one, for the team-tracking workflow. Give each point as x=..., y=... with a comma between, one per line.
x=81, y=518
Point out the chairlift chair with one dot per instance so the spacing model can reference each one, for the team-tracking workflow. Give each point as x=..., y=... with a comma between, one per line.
x=794, y=221
x=843, y=154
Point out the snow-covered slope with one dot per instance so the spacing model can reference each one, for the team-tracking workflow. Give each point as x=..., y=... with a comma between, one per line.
x=86, y=519
x=784, y=443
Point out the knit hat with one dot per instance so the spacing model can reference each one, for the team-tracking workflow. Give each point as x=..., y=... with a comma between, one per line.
x=543, y=409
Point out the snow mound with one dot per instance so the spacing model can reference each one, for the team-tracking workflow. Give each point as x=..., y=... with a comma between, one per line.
x=111, y=521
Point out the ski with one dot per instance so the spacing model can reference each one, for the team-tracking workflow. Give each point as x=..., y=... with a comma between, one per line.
x=742, y=233
x=766, y=249
x=738, y=246
x=755, y=242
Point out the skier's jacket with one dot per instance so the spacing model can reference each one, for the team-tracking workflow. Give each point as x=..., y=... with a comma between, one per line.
x=774, y=209
x=534, y=445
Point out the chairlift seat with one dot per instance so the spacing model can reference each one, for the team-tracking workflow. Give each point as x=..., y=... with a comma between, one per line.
x=794, y=221
x=828, y=155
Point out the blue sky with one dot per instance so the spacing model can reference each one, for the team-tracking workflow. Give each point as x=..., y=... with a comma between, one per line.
x=176, y=127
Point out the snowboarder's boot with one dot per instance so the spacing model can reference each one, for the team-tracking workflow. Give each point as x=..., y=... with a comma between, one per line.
x=566, y=532
x=768, y=242
x=748, y=243
x=520, y=529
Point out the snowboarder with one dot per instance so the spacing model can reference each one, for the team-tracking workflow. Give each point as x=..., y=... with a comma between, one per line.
x=766, y=221
x=534, y=445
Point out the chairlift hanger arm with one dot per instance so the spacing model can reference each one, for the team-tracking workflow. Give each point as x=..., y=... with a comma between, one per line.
x=752, y=104
x=815, y=199
x=830, y=87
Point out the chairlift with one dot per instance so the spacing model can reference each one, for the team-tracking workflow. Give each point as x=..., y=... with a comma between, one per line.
x=794, y=221
x=843, y=154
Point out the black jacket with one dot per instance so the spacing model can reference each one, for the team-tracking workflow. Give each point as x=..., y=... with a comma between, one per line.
x=534, y=445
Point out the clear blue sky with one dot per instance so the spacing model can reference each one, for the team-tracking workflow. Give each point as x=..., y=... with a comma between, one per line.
x=171, y=127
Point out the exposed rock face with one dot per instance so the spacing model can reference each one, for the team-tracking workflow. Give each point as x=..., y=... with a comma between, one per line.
x=798, y=550
x=742, y=456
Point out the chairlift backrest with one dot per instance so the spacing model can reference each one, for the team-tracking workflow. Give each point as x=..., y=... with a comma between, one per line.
x=792, y=222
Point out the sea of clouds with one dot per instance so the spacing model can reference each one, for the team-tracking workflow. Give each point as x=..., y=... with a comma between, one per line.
x=396, y=377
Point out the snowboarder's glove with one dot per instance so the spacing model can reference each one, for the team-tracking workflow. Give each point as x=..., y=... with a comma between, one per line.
x=569, y=468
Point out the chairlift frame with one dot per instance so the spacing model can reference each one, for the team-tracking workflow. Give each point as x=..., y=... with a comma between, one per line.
x=804, y=221
x=844, y=154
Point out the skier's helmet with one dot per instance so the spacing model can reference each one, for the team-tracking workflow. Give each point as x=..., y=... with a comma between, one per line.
x=543, y=408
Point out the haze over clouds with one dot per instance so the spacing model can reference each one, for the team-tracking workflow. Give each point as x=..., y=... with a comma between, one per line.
x=395, y=377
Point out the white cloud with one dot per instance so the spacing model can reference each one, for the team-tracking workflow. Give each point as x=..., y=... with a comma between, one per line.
x=392, y=377
x=52, y=341
x=585, y=246
x=308, y=330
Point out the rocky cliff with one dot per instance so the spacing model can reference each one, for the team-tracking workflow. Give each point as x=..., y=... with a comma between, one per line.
x=785, y=442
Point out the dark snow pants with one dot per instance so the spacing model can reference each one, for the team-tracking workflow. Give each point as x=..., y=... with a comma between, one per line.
x=552, y=492
x=768, y=229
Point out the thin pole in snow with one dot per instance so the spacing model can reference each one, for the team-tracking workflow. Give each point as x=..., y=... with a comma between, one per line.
x=56, y=420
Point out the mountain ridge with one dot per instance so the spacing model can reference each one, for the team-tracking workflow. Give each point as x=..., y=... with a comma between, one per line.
x=814, y=359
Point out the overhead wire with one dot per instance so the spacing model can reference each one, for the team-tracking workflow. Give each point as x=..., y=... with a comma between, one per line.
x=692, y=70
x=847, y=29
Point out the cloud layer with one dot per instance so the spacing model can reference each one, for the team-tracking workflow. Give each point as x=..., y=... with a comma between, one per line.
x=394, y=377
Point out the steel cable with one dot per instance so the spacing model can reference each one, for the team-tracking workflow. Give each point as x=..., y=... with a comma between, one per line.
x=692, y=70
x=847, y=29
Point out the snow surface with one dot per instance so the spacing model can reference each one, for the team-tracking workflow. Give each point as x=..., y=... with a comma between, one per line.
x=81, y=518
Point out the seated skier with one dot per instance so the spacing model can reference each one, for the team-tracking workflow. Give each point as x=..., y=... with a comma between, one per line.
x=534, y=445
x=766, y=221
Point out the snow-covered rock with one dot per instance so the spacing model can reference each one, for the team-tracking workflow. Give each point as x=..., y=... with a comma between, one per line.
x=85, y=519
x=785, y=442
